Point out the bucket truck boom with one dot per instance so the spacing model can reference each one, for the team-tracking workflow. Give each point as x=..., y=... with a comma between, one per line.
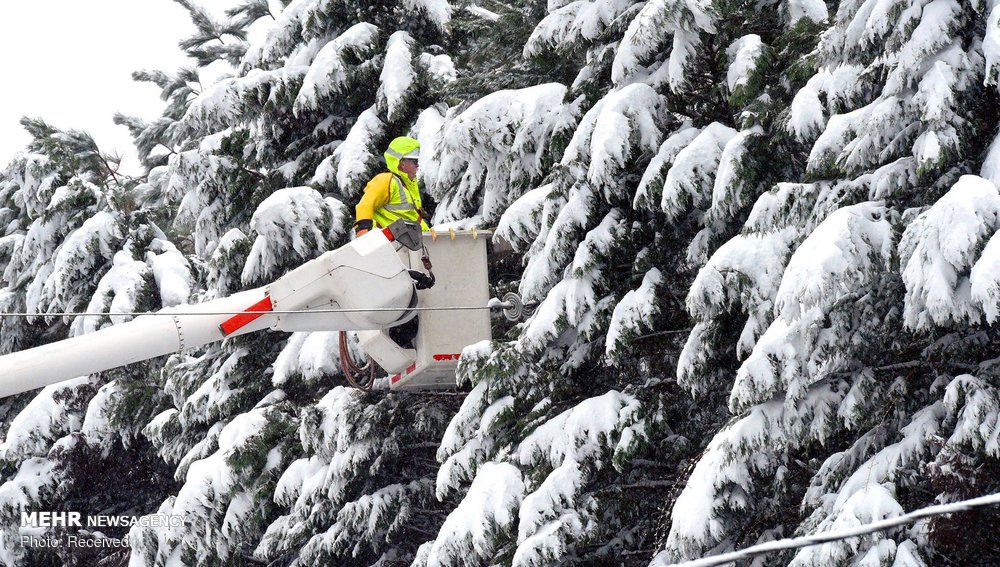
x=362, y=286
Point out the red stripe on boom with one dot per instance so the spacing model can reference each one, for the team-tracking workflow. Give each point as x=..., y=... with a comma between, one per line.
x=236, y=322
x=398, y=377
x=447, y=356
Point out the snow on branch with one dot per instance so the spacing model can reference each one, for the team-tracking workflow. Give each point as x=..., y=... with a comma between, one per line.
x=573, y=22
x=696, y=523
x=573, y=300
x=691, y=179
x=328, y=73
x=292, y=224
x=438, y=12
x=398, y=76
x=579, y=434
x=636, y=310
x=171, y=272
x=938, y=250
x=551, y=252
x=283, y=35
x=118, y=291
x=351, y=163
x=623, y=124
x=647, y=32
x=50, y=415
x=311, y=355
x=868, y=494
x=838, y=535
x=975, y=405
x=85, y=250
x=520, y=224
x=844, y=255
x=234, y=100
x=495, y=149
x=649, y=192
x=488, y=508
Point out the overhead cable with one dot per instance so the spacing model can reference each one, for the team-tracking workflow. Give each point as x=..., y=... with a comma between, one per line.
x=838, y=535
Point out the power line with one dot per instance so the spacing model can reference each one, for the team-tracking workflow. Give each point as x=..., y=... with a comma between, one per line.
x=838, y=535
x=268, y=312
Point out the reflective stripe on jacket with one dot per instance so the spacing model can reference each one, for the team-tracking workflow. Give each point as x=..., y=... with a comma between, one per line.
x=389, y=198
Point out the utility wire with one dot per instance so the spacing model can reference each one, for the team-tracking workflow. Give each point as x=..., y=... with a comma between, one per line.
x=267, y=312
x=838, y=535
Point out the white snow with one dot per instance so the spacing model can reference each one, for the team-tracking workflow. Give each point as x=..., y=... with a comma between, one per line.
x=657, y=20
x=328, y=73
x=744, y=271
x=356, y=154
x=440, y=67
x=294, y=223
x=485, y=156
x=580, y=433
x=875, y=502
x=844, y=255
x=489, y=505
x=743, y=55
x=312, y=355
x=46, y=418
x=635, y=311
x=623, y=123
x=814, y=10
x=691, y=179
x=938, y=249
x=991, y=163
x=83, y=251
x=975, y=406
x=171, y=272
x=520, y=224
x=572, y=22
x=549, y=518
x=437, y=11
x=991, y=46
x=696, y=524
x=839, y=256
x=807, y=116
x=481, y=12
x=117, y=291
x=398, y=75
x=650, y=189
x=96, y=426
x=545, y=263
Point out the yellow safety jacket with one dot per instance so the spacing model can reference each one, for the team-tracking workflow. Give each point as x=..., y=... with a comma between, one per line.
x=388, y=198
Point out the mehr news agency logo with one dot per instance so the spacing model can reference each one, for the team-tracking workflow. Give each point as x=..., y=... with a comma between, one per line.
x=35, y=521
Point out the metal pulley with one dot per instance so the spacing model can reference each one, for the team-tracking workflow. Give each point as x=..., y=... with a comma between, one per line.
x=513, y=308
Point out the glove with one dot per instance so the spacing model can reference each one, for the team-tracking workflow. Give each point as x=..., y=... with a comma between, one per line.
x=421, y=280
x=362, y=226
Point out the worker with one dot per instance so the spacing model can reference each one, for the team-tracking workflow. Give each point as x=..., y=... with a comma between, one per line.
x=394, y=194
x=391, y=196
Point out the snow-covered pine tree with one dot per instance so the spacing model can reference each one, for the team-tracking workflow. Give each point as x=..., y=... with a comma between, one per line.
x=75, y=240
x=839, y=418
x=643, y=175
x=264, y=163
x=742, y=197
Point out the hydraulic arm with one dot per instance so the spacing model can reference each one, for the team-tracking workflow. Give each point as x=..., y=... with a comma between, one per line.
x=363, y=285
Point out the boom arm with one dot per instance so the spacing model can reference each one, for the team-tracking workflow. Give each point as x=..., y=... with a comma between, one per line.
x=365, y=274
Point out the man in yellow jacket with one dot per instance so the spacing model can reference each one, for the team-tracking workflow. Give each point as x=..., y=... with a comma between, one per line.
x=394, y=194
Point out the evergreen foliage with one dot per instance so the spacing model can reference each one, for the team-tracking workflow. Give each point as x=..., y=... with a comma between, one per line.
x=761, y=241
